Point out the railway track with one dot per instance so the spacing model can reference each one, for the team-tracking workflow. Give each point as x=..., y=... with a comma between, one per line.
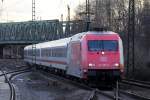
x=93, y=93
x=15, y=71
x=135, y=83
x=11, y=86
x=8, y=80
x=116, y=94
x=134, y=95
x=143, y=82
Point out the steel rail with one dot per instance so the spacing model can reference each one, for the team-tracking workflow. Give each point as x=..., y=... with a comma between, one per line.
x=11, y=86
x=138, y=81
x=134, y=95
x=8, y=80
x=11, y=72
x=80, y=85
x=136, y=84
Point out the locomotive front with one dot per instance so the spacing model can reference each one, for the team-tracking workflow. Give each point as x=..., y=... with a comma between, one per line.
x=102, y=56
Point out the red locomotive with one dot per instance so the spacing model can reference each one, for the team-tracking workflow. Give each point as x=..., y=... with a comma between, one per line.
x=89, y=55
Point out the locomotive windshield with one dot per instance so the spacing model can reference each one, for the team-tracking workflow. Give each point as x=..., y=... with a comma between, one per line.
x=102, y=45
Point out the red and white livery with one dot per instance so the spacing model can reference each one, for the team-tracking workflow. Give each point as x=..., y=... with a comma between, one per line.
x=88, y=55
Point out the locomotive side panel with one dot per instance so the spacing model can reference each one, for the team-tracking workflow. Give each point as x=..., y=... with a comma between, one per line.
x=121, y=56
x=74, y=65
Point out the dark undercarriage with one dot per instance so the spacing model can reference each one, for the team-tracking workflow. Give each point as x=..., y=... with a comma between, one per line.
x=103, y=76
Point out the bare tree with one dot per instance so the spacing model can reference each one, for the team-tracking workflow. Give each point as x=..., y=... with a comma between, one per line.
x=106, y=13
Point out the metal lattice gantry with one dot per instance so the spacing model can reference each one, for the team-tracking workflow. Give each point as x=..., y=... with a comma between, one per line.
x=46, y=30
x=33, y=10
x=22, y=32
x=131, y=34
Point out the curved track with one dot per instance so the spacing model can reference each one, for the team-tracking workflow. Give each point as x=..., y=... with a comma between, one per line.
x=12, y=89
x=94, y=91
x=8, y=80
x=136, y=84
x=116, y=94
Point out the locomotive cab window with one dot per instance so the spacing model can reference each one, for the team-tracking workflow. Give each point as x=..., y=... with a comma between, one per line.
x=102, y=45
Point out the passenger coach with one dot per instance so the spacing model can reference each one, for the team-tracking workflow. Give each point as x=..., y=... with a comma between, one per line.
x=89, y=55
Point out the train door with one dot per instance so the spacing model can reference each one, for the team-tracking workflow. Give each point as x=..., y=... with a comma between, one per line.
x=75, y=59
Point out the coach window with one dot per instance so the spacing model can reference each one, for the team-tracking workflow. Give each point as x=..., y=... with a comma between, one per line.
x=42, y=52
x=37, y=52
x=29, y=52
x=25, y=52
x=46, y=52
x=50, y=52
x=60, y=52
x=53, y=52
x=57, y=52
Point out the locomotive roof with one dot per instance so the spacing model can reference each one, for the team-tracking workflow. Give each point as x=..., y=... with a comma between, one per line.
x=101, y=32
x=80, y=35
x=95, y=32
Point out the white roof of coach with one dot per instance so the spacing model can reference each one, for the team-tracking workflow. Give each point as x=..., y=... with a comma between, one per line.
x=55, y=43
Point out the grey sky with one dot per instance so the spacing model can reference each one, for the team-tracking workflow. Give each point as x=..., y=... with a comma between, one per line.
x=20, y=10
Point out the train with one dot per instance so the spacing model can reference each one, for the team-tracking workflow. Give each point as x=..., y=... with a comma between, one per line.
x=89, y=56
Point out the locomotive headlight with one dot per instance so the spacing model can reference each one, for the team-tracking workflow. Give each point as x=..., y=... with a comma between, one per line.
x=116, y=65
x=91, y=65
x=85, y=70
